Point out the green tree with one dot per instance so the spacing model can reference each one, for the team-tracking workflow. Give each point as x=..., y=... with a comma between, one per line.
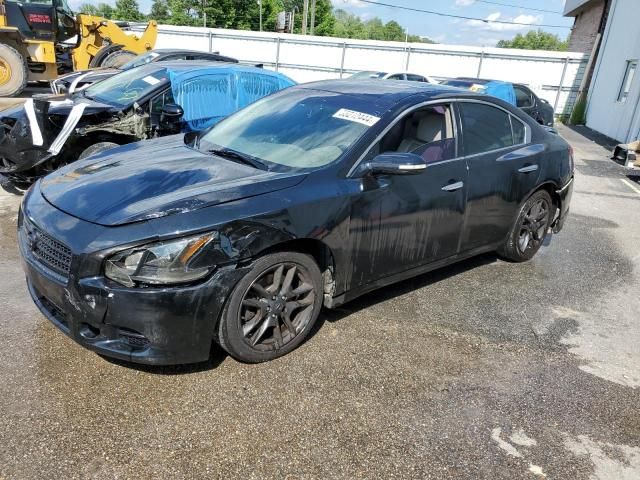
x=88, y=9
x=535, y=40
x=394, y=32
x=160, y=11
x=127, y=10
x=100, y=10
x=183, y=12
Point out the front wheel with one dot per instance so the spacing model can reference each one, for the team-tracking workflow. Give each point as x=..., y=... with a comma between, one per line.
x=272, y=309
x=530, y=228
x=96, y=148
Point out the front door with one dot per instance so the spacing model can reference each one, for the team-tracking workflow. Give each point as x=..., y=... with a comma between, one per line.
x=402, y=221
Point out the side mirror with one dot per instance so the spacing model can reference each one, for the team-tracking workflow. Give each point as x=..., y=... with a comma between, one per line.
x=395, y=163
x=171, y=118
x=190, y=138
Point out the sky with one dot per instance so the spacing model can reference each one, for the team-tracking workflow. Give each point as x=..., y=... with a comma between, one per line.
x=452, y=30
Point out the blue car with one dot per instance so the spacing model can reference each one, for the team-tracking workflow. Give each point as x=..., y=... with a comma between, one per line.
x=150, y=101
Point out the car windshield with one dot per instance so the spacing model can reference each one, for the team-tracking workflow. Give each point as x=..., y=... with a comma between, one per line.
x=140, y=60
x=125, y=88
x=365, y=75
x=299, y=128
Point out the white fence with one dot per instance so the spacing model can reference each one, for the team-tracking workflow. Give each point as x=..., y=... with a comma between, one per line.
x=554, y=76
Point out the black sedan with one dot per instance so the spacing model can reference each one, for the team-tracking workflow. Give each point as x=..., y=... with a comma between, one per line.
x=309, y=197
x=537, y=108
x=80, y=79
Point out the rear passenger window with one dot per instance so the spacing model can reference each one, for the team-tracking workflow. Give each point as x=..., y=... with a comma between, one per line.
x=519, y=132
x=484, y=128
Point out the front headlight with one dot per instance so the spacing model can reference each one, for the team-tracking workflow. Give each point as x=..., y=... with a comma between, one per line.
x=161, y=263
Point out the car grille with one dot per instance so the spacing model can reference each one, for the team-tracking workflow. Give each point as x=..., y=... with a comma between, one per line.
x=46, y=249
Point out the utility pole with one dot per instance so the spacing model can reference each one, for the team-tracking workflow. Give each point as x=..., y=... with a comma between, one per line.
x=204, y=14
x=260, y=7
x=313, y=16
x=305, y=16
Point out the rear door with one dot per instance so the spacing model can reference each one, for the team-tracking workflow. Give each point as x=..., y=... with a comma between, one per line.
x=503, y=168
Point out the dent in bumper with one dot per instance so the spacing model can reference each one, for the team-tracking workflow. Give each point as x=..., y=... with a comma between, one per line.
x=165, y=326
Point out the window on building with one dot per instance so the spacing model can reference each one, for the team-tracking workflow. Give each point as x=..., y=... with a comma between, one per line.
x=627, y=80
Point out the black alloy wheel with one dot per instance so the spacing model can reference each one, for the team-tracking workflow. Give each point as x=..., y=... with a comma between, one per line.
x=272, y=308
x=277, y=306
x=530, y=228
x=534, y=226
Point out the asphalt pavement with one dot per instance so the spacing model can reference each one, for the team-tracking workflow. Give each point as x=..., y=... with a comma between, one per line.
x=486, y=369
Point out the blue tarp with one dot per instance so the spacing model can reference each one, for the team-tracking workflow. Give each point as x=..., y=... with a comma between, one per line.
x=207, y=95
x=502, y=90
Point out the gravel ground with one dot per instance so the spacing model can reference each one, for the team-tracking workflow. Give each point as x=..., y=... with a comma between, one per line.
x=486, y=369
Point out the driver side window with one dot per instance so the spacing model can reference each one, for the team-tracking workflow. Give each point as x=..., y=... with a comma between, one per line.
x=427, y=132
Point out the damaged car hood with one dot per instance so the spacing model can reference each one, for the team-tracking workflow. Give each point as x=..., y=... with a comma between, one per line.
x=155, y=178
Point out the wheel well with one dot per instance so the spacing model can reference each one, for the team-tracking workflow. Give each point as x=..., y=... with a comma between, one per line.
x=320, y=252
x=84, y=142
x=551, y=190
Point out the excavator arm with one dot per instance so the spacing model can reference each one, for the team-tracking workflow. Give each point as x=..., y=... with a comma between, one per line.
x=99, y=38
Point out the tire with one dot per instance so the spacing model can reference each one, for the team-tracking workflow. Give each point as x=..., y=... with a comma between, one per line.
x=96, y=148
x=253, y=316
x=530, y=228
x=13, y=71
x=117, y=59
x=101, y=54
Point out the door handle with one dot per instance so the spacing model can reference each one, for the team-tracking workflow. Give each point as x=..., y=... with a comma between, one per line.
x=452, y=187
x=528, y=168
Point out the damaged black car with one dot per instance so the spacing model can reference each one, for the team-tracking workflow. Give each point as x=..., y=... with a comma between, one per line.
x=145, y=102
x=238, y=236
x=81, y=79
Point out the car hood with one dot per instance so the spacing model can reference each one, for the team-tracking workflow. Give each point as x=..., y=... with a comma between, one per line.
x=151, y=179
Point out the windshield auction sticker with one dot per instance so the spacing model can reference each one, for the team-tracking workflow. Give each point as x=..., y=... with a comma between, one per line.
x=151, y=80
x=358, y=117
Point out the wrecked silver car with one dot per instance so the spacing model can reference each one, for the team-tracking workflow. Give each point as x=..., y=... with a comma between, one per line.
x=149, y=101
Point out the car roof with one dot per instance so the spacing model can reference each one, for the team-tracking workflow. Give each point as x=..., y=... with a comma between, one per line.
x=181, y=65
x=375, y=89
x=184, y=50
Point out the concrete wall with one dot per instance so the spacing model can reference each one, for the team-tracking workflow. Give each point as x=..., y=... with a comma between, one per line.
x=554, y=76
x=585, y=27
x=621, y=42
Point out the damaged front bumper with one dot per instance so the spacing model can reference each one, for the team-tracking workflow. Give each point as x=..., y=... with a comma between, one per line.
x=19, y=157
x=155, y=325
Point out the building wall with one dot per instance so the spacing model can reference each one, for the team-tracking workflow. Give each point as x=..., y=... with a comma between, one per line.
x=620, y=43
x=585, y=27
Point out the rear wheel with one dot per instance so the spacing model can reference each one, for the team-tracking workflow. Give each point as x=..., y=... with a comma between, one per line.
x=530, y=228
x=273, y=308
x=95, y=148
x=13, y=71
x=117, y=59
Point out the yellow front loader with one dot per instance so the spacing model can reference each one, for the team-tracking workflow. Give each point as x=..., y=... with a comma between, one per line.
x=34, y=46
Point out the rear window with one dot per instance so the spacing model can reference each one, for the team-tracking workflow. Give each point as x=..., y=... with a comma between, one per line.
x=486, y=128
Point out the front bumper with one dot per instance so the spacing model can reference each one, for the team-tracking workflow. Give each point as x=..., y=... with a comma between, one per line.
x=156, y=326
x=564, y=195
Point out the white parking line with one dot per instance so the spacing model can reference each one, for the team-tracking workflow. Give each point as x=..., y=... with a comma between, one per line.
x=630, y=185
